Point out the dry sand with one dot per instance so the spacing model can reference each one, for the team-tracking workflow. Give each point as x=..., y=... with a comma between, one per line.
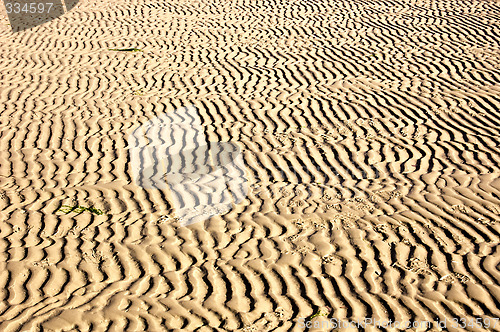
x=369, y=131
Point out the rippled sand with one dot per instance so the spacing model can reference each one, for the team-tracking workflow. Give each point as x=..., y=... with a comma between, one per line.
x=369, y=131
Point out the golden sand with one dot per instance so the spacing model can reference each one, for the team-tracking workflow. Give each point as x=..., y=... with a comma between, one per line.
x=369, y=131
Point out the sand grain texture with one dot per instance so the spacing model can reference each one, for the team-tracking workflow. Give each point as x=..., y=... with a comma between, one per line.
x=370, y=134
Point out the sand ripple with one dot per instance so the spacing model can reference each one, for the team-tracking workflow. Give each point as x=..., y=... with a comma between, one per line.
x=369, y=130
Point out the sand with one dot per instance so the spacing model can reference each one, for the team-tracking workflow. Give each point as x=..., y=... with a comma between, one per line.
x=369, y=132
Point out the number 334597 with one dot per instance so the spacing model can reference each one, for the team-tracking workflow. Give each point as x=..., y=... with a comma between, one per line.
x=28, y=8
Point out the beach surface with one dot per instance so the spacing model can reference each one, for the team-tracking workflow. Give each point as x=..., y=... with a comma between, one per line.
x=366, y=134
